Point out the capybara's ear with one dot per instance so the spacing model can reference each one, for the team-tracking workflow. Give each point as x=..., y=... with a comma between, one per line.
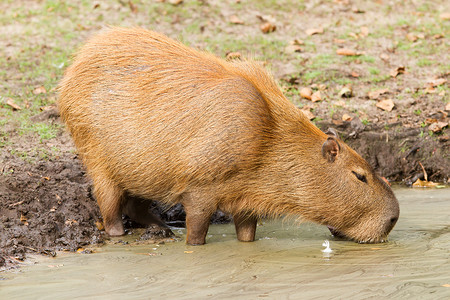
x=330, y=149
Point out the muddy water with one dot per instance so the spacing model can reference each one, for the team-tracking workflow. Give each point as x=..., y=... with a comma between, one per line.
x=286, y=262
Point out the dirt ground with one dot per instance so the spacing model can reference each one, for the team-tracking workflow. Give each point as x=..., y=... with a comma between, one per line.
x=45, y=200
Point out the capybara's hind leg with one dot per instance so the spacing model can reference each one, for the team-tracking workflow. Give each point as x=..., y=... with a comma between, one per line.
x=138, y=210
x=109, y=198
x=245, y=227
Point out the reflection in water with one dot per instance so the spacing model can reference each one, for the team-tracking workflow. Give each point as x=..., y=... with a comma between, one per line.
x=286, y=262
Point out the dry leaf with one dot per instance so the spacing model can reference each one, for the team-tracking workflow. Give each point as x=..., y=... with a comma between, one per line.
x=346, y=92
x=437, y=82
x=99, y=225
x=312, y=31
x=384, y=56
x=233, y=55
x=386, y=104
x=447, y=106
x=374, y=95
x=175, y=2
x=347, y=52
x=39, y=90
x=354, y=74
x=340, y=103
x=235, y=20
x=357, y=10
x=412, y=37
x=364, y=31
x=339, y=41
x=438, y=36
x=320, y=86
x=306, y=93
x=423, y=183
x=316, y=96
x=10, y=102
x=292, y=49
x=268, y=27
x=397, y=71
x=297, y=42
x=437, y=126
x=188, y=252
x=133, y=7
x=346, y=118
x=308, y=114
x=445, y=16
x=446, y=285
x=23, y=219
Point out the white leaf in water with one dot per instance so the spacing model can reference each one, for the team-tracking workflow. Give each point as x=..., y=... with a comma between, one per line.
x=327, y=249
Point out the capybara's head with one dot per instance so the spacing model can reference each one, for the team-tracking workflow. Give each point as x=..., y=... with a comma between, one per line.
x=355, y=203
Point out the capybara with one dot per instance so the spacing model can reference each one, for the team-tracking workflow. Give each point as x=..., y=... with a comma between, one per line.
x=158, y=120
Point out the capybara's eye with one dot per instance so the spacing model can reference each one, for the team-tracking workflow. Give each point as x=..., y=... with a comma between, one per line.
x=360, y=177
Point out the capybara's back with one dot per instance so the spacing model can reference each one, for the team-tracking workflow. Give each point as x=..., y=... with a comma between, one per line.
x=153, y=118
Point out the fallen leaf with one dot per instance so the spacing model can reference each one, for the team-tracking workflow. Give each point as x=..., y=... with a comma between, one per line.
x=188, y=252
x=346, y=118
x=312, y=31
x=374, y=95
x=133, y=7
x=386, y=104
x=438, y=126
x=23, y=219
x=384, y=56
x=233, y=55
x=10, y=102
x=347, y=52
x=235, y=20
x=306, y=93
x=354, y=74
x=339, y=41
x=438, y=36
x=308, y=114
x=79, y=250
x=293, y=48
x=320, y=86
x=175, y=2
x=346, y=92
x=357, y=10
x=447, y=106
x=445, y=16
x=423, y=183
x=375, y=248
x=430, y=90
x=316, y=96
x=297, y=42
x=446, y=285
x=268, y=27
x=99, y=225
x=412, y=37
x=364, y=31
x=340, y=103
x=39, y=90
x=399, y=70
x=436, y=82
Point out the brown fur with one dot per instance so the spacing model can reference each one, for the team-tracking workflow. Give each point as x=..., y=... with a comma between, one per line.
x=156, y=119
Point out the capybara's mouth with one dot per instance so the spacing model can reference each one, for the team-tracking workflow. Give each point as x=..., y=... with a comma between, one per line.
x=336, y=233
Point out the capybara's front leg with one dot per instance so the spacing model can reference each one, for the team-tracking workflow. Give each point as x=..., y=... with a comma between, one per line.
x=245, y=227
x=198, y=216
x=109, y=198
